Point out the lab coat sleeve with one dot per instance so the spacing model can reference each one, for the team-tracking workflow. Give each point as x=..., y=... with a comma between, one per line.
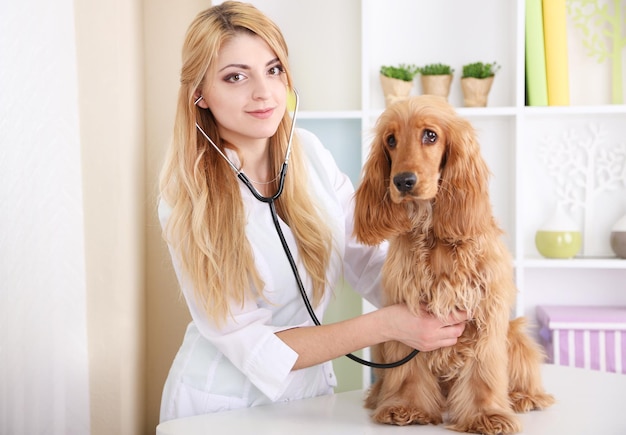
x=246, y=337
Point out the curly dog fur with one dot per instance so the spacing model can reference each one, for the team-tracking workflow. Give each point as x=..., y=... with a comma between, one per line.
x=425, y=190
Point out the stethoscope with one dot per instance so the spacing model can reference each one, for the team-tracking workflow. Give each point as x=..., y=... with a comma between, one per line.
x=271, y=201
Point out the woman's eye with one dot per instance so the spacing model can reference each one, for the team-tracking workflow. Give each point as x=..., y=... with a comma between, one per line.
x=391, y=141
x=429, y=137
x=276, y=70
x=234, y=78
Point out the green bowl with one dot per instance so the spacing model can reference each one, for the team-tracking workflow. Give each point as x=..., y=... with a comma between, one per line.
x=558, y=244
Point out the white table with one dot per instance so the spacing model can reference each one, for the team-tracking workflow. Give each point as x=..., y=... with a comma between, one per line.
x=588, y=403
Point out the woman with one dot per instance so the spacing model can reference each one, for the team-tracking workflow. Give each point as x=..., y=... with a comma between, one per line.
x=251, y=340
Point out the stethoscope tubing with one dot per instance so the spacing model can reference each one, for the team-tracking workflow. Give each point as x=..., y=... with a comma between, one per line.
x=294, y=268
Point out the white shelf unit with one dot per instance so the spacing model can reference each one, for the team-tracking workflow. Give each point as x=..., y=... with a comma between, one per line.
x=336, y=50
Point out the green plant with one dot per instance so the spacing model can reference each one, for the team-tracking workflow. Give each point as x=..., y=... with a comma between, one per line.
x=435, y=69
x=402, y=72
x=480, y=70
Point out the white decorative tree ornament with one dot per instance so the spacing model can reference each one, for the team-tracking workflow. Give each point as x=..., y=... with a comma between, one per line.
x=583, y=167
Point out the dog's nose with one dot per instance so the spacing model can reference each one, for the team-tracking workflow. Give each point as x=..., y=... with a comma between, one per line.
x=405, y=181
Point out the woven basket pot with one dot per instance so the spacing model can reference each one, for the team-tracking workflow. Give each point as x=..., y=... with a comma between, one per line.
x=395, y=89
x=476, y=91
x=436, y=84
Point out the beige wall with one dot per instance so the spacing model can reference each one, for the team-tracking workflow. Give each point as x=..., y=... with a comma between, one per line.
x=166, y=313
x=111, y=122
x=128, y=60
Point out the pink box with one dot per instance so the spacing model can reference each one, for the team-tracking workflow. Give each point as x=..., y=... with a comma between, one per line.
x=586, y=337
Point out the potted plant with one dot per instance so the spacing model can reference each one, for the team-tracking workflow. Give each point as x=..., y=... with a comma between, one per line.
x=397, y=81
x=436, y=79
x=476, y=82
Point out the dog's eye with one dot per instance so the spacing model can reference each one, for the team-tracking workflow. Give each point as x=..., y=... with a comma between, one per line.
x=429, y=137
x=391, y=141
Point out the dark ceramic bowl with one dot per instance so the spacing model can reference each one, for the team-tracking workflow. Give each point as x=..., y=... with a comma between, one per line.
x=618, y=243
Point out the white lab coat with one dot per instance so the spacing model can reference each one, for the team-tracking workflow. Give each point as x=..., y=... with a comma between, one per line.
x=244, y=363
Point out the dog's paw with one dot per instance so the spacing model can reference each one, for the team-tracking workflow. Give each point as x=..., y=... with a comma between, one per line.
x=403, y=415
x=489, y=423
x=524, y=402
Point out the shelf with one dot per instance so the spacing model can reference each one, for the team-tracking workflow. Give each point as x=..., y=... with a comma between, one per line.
x=473, y=112
x=476, y=112
x=487, y=111
x=574, y=263
x=328, y=114
x=576, y=110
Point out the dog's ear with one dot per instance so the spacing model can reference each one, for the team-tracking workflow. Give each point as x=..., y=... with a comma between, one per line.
x=376, y=217
x=462, y=208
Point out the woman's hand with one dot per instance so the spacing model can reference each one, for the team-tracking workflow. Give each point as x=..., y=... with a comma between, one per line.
x=423, y=331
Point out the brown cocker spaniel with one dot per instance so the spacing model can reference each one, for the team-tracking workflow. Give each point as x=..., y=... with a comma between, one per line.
x=425, y=189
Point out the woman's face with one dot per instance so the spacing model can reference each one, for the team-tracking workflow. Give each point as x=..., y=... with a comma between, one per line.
x=247, y=91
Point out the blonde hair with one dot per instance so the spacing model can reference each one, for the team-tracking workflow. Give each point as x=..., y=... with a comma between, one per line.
x=207, y=224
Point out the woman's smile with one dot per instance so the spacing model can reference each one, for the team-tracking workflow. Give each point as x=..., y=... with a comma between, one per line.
x=262, y=113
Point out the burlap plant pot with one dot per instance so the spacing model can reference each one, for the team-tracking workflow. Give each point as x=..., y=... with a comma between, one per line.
x=476, y=91
x=395, y=89
x=436, y=84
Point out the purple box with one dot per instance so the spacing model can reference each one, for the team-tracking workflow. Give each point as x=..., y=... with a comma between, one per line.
x=586, y=337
